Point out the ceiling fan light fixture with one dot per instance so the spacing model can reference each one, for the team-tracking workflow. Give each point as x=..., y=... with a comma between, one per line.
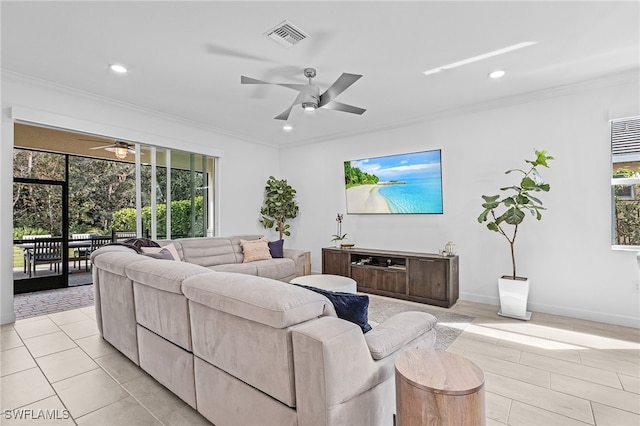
x=287, y=127
x=309, y=106
x=121, y=152
x=497, y=74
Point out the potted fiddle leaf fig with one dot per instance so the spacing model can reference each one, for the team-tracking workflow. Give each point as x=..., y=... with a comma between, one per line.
x=279, y=205
x=505, y=215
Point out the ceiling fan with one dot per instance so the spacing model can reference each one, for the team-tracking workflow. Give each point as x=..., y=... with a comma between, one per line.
x=119, y=148
x=310, y=97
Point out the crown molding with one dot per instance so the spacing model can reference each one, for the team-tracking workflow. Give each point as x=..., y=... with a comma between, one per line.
x=24, y=78
x=611, y=80
x=629, y=76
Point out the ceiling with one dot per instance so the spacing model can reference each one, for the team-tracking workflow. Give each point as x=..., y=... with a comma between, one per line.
x=185, y=58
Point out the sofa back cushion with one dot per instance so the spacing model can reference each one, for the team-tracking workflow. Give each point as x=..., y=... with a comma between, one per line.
x=115, y=309
x=207, y=251
x=263, y=300
x=160, y=305
x=242, y=324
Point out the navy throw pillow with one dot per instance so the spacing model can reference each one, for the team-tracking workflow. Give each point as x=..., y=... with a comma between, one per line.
x=276, y=248
x=348, y=306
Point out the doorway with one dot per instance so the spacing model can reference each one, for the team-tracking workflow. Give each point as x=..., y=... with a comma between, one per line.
x=40, y=208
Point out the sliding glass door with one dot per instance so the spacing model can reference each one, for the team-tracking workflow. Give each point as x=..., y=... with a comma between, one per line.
x=177, y=193
x=40, y=194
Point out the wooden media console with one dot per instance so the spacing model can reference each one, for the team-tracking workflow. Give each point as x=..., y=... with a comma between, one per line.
x=419, y=277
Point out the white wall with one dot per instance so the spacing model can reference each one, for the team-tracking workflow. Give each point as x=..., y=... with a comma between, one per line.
x=243, y=167
x=567, y=255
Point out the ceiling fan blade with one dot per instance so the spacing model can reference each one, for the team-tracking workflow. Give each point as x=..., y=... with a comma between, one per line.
x=338, y=106
x=340, y=85
x=103, y=147
x=220, y=50
x=304, y=88
x=249, y=80
x=285, y=114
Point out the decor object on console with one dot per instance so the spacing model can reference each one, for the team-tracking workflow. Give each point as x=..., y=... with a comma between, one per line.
x=514, y=290
x=225, y=342
x=339, y=236
x=279, y=205
x=450, y=249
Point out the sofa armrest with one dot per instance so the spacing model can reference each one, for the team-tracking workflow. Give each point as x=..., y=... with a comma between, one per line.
x=332, y=366
x=402, y=331
x=336, y=375
x=301, y=258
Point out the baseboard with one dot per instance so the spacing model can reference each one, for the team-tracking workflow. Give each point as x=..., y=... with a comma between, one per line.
x=8, y=318
x=605, y=317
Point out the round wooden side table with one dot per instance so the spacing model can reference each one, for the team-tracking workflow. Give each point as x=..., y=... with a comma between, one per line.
x=438, y=388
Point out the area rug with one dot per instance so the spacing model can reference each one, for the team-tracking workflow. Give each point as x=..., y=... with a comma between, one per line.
x=449, y=326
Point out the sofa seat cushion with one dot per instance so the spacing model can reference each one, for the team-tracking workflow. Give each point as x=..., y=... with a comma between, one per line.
x=238, y=268
x=397, y=331
x=275, y=268
x=269, y=302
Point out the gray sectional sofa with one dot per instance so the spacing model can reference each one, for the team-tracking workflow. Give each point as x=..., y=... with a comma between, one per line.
x=224, y=254
x=243, y=349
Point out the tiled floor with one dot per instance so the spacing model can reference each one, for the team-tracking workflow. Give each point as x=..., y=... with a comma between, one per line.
x=548, y=371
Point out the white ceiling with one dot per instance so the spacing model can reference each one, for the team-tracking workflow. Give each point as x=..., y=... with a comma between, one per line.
x=185, y=58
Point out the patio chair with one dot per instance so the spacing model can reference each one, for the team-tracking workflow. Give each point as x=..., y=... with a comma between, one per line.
x=27, y=250
x=80, y=253
x=122, y=235
x=97, y=241
x=45, y=251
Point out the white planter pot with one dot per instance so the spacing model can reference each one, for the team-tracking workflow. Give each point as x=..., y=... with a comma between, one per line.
x=513, y=298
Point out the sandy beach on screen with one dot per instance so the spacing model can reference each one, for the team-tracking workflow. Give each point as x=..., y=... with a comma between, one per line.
x=366, y=199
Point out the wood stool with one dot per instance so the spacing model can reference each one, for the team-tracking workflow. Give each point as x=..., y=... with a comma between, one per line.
x=438, y=388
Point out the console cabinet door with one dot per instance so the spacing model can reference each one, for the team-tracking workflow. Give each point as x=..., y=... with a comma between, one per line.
x=335, y=262
x=428, y=278
x=365, y=277
x=393, y=281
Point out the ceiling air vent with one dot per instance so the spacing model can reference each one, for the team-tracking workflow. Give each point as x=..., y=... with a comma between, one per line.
x=286, y=34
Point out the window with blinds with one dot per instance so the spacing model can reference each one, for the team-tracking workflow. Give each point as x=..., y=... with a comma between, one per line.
x=625, y=181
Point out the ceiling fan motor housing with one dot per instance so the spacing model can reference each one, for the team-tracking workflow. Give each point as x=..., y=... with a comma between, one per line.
x=311, y=99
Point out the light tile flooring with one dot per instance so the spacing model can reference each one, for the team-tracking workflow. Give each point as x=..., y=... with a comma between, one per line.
x=549, y=371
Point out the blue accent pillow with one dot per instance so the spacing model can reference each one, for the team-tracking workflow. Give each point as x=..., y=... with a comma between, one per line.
x=276, y=248
x=348, y=306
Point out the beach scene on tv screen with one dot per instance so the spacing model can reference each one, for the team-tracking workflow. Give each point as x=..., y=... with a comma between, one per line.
x=404, y=183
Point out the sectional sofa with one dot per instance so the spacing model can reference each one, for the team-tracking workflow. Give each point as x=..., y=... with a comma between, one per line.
x=245, y=349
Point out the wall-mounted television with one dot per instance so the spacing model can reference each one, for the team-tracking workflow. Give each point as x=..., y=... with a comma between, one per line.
x=403, y=184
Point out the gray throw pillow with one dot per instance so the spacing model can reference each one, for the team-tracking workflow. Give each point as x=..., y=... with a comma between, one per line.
x=162, y=254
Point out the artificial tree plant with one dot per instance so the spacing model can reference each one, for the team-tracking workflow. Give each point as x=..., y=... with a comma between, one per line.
x=511, y=209
x=279, y=205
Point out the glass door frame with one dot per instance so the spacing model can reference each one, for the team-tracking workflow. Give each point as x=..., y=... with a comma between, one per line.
x=61, y=280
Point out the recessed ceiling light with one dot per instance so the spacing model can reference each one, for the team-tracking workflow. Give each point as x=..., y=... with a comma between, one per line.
x=287, y=127
x=497, y=74
x=120, y=69
x=480, y=57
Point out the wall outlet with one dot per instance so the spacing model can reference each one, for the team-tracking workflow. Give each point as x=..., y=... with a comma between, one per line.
x=636, y=286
